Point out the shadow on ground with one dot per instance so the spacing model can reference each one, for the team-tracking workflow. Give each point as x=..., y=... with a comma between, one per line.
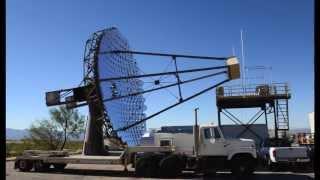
x=186, y=175
x=266, y=176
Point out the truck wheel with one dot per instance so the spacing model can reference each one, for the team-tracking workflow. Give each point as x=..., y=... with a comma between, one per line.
x=133, y=160
x=210, y=173
x=242, y=166
x=147, y=166
x=40, y=166
x=59, y=166
x=24, y=165
x=171, y=166
x=270, y=165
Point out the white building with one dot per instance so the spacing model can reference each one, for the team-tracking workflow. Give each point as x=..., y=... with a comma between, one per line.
x=311, y=121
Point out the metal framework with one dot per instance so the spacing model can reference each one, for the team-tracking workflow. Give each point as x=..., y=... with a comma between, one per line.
x=90, y=78
x=271, y=99
x=89, y=75
x=90, y=92
x=175, y=73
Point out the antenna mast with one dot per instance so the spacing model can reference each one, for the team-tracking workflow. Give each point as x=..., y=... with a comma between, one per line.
x=243, y=65
x=233, y=51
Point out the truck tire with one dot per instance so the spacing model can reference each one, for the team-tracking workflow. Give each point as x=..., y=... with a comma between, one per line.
x=59, y=166
x=133, y=160
x=40, y=166
x=171, y=166
x=147, y=165
x=242, y=165
x=25, y=165
x=210, y=173
x=270, y=165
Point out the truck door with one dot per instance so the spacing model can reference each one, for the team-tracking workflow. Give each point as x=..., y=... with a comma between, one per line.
x=213, y=144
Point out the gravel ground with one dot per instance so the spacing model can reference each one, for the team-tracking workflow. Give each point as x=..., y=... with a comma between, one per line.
x=97, y=172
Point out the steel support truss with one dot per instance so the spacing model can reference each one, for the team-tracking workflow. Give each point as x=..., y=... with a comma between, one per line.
x=89, y=94
x=247, y=125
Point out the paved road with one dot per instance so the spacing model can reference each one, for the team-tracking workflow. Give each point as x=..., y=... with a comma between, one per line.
x=98, y=172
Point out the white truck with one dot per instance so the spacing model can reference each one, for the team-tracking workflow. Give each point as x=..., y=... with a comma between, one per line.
x=276, y=155
x=204, y=151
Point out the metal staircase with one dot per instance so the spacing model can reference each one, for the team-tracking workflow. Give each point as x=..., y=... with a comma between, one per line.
x=282, y=115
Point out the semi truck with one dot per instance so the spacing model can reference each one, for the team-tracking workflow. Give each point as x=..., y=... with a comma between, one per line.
x=205, y=151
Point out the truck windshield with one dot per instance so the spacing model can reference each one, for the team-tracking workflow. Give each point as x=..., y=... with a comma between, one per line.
x=216, y=133
x=207, y=133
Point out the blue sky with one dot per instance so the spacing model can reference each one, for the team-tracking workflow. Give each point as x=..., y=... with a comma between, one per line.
x=45, y=44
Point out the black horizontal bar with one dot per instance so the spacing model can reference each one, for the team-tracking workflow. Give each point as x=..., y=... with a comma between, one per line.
x=164, y=73
x=167, y=86
x=168, y=55
x=167, y=108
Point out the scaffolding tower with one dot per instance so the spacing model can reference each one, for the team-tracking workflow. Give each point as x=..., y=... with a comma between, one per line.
x=271, y=99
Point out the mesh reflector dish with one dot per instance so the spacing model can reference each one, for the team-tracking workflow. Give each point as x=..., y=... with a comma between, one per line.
x=125, y=111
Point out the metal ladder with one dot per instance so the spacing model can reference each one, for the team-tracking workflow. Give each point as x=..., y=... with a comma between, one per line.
x=282, y=115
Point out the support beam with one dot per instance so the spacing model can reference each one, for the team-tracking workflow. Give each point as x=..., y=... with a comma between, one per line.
x=178, y=77
x=239, y=123
x=275, y=122
x=162, y=87
x=266, y=116
x=94, y=144
x=250, y=123
x=167, y=55
x=219, y=117
x=164, y=73
x=172, y=106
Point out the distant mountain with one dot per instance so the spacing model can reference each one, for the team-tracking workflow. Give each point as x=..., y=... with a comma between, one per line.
x=18, y=134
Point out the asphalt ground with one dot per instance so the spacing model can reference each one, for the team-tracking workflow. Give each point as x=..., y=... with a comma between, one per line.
x=98, y=172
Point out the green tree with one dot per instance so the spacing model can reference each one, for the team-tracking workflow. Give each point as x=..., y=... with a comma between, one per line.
x=54, y=133
x=46, y=133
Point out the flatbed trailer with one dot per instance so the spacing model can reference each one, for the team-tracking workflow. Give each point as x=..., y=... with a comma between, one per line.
x=206, y=151
x=42, y=160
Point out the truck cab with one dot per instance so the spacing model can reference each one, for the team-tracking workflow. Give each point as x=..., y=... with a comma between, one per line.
x=206, y=149
x=213, y=143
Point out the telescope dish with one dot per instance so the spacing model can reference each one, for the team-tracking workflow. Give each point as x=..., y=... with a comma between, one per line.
x=125, y=111
x=110, y=68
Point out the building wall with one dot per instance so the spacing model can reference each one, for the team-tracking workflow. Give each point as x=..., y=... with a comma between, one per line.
x=311, y=121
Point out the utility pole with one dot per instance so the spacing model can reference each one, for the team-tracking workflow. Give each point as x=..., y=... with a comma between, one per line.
x=196, y=133
x=243, y=62
x=196, y=116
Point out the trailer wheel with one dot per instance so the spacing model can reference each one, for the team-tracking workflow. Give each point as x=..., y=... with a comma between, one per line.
x=24, y=165
x=59, y=166
x=147, y=165
x=242, y=165
x=171, y=166
x=40, y=166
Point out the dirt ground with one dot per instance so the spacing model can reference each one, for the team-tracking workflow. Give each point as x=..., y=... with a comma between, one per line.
x=98, y=172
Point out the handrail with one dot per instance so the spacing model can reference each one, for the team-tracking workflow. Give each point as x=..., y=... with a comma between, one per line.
x=254, y=90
